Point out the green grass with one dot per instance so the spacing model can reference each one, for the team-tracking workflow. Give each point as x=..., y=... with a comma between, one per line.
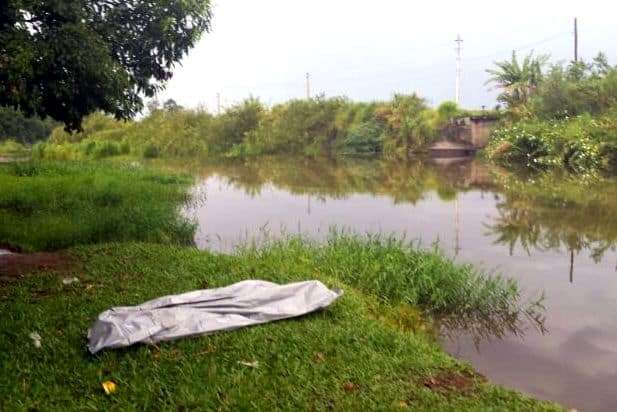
x=11, y=148
x=54, y=205
x=396, y=273
x=352, y=356
x=372, y=349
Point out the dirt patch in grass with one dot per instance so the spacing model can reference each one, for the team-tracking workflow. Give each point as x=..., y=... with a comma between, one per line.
x=17, y=265
x=450, y=382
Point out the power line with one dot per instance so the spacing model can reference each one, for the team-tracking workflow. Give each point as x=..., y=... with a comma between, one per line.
x=522, y=47
x=417, y=70
x=428, y=70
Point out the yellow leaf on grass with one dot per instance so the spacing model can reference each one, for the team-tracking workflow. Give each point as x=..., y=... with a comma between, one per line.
x=109, y=387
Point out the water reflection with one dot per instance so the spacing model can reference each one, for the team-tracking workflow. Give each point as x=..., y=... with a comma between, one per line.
x=533, y=214
x=546, y=231
x=481, y=329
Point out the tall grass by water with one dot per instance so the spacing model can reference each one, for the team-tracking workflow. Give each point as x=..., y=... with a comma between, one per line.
x=53, y=205
x=398, y=272
x=310, y=127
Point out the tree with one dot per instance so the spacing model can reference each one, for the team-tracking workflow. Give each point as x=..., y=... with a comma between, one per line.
x=69, y=58
x=171, y=106
x=406, y=124
x=26, y=130
x=517, y=81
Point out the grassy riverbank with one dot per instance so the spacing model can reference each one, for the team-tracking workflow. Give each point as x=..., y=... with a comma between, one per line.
x=367, y=351
x=371, y=350
x=53, y=205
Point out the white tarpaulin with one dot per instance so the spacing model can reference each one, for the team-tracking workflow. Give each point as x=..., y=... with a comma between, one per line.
x=206, y=311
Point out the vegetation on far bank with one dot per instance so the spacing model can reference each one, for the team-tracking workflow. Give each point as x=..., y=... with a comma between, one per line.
x=18, y=128
x=312, y=127
x=563, y=117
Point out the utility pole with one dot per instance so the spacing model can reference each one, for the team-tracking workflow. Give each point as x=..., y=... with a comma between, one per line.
x=575, y=40
x=459, y=67
x=218, y=103
x=308, y=86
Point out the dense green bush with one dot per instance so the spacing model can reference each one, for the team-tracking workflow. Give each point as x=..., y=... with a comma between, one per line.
x=21, y=129
x=408, y=124
x=567, y=118
x=297, y=125
x=105, y=149
x=232, y=126
x=151, y=151
x=582, y=143
x=576, y=89
x=363, y=138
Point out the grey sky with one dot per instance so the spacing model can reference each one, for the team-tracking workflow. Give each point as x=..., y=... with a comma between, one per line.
x=368, y=50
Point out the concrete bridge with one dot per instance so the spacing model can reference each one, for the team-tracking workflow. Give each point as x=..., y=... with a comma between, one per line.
x=464, y=137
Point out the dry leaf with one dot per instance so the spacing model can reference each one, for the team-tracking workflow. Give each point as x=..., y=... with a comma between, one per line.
x=350, y=387
x=253, y=364
x=319, y=357
x=109, y=387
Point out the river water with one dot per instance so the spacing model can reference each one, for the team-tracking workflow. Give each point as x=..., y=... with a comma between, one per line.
x=477, y=214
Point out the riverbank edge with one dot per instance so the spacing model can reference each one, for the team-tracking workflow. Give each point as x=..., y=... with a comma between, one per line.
x=360, y=353
x=109, y=274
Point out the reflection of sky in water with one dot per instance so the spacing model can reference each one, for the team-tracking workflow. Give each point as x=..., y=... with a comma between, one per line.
x=575, y=363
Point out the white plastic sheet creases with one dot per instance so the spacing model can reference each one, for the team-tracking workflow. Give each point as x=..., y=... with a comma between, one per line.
x=202, y=312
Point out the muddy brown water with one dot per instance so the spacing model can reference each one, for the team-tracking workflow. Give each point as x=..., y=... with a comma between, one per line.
x=551, y=246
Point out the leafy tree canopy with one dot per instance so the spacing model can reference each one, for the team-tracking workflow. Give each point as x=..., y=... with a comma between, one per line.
x=517, y=80
x=69, y=58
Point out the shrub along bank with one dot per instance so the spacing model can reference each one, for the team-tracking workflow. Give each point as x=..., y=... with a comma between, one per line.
x=308, y=127
x=565, y=116
x=580, y=144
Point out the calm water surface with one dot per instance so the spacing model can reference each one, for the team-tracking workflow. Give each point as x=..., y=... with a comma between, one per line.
x=478, y=216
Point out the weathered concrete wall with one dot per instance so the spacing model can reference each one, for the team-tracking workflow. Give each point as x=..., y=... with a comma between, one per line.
x=480, y=131
x=475, y=131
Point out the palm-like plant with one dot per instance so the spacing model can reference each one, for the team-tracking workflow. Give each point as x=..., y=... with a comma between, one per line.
x=517, y=81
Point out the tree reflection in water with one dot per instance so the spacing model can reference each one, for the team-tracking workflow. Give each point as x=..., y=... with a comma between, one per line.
x=541, y=212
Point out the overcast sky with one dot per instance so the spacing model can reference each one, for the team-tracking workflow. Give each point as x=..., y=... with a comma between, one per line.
x=368, y=50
